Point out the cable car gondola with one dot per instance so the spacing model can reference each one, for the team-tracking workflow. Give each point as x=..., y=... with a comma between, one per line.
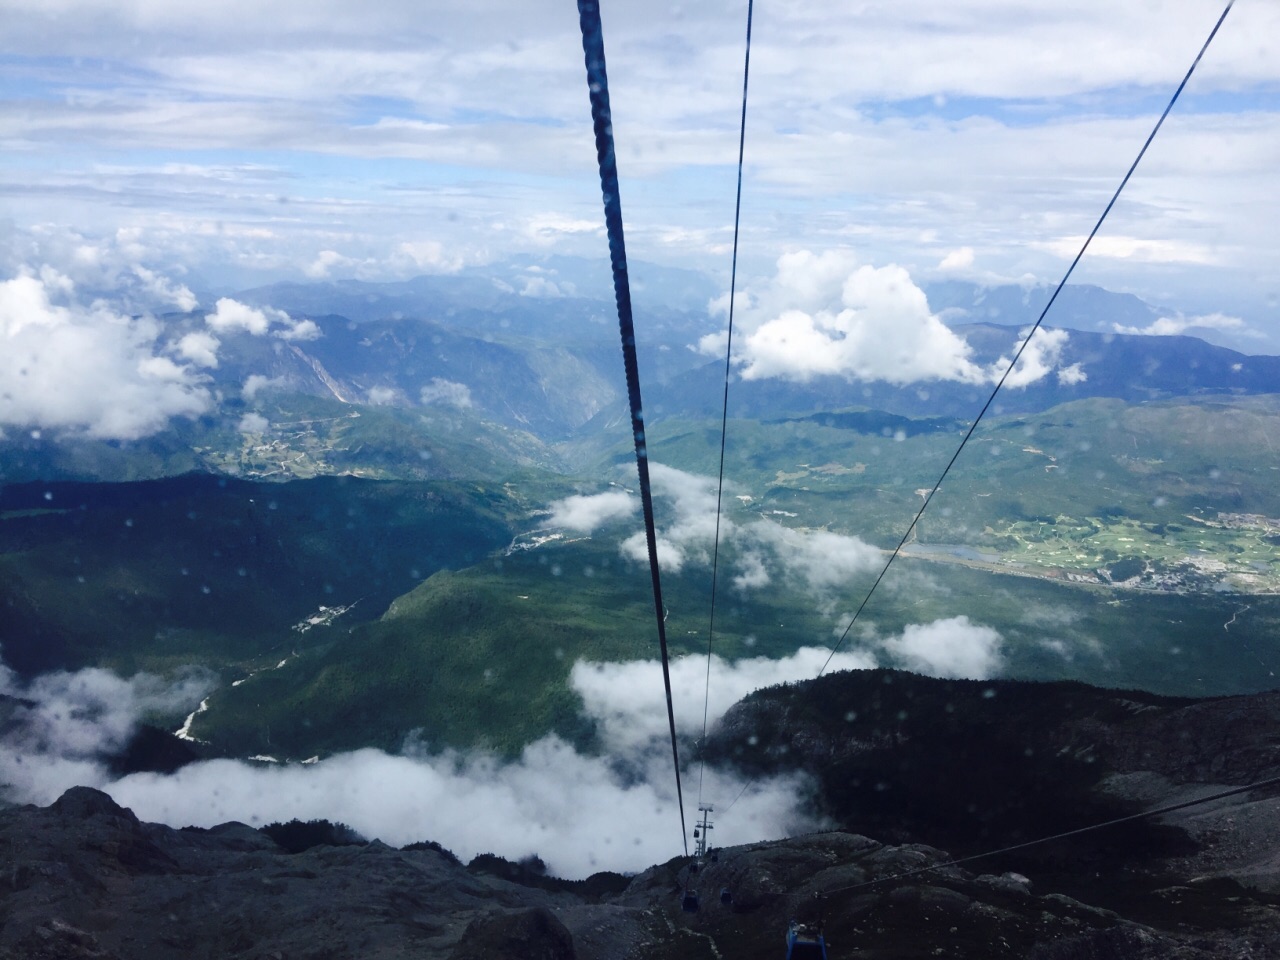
x=805, y=942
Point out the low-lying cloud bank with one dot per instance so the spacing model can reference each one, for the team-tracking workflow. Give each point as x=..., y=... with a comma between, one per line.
x=59, y=726
x=579, y=813
x=628, y=702
x=574, y=811
x=828, y=315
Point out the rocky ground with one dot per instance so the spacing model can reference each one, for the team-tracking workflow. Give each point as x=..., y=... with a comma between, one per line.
x=84, y=878
x=908, y=760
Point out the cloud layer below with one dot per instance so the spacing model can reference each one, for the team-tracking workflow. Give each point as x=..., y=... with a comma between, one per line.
x=579, y=813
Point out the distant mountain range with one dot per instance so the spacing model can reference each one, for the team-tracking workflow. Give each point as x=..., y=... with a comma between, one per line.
x=551, y=364
x=519, y=362
x=1134, y=368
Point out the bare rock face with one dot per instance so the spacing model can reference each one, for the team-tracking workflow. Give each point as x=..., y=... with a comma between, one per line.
x=534, y=934
x=1023, y=760
x=878, y=901
x=83, y=878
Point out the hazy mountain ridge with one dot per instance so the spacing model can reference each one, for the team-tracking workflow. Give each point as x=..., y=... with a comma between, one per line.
x=279, y=436
x=1127, y=366
x=553, y=298
x=1130, y=367
x=1080, y=306
x=524, y=374
x=540, y=385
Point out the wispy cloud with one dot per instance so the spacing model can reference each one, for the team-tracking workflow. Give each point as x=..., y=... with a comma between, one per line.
x=1174, y=326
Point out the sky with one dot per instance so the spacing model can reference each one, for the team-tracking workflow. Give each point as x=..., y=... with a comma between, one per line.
x=225, y=145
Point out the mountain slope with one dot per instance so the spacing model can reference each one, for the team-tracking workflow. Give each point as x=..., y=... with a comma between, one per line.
x=216, y=570
x=1128, y=367
x=1020, y=760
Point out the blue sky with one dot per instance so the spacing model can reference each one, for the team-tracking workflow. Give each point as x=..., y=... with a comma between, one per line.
x=238, y=143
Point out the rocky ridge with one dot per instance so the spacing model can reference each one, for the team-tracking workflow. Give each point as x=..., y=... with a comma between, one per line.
x=85, y=878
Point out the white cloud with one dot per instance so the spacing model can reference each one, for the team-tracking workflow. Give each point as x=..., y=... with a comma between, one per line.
x=446, y=393
x=752, y=572
x=430, y=256
x=62, y=724
x=957, y=260
x=585, y=513
x=822, y=561
x=671, y=554
x=469, y=803
x=540, y=288
x=545, y=229
x=1070, y=376
x=255, y=383
x=300, y=330
x=380, y=396
x=628, y=701
x=1176, y=326
x=86, y=368
x=325, y=261
x=230, y=315
x=66, y=724
x=166, y=290
x=1042, y=355
x=253, y=423
x=970, y=130
x=824, y=315
x=691, y=532
x=953, y=647
x=200, y=348
x=621, y=821
x=1133, y=248
x=117, y=266
x=819, y=562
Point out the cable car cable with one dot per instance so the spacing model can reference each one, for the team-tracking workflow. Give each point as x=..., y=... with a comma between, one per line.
x=1013, y=363
x=601, y=118
x=724, y=413
x=1035, y=327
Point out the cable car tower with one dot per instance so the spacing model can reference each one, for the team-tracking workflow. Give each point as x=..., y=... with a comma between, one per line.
x=702, y=830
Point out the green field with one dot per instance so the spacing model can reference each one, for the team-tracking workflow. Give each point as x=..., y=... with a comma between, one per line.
x=1187, y=490
x=481, y=657
x=1128, y=546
